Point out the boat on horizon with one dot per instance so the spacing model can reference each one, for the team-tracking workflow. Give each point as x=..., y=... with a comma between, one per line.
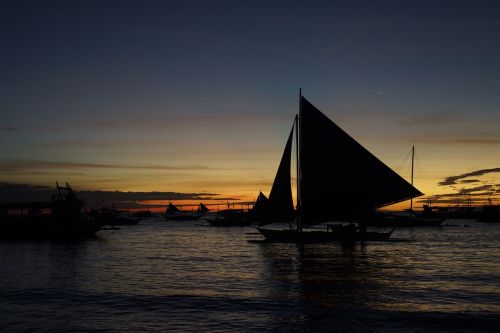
x=231, y=218
x=172, y=213
x=112, y=216
x=61, y=218
x=338, y=181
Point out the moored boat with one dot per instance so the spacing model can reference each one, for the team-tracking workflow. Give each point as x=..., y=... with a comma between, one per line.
x=111, y=216
x=60, y=218
x=231, y=218
x=172, y=213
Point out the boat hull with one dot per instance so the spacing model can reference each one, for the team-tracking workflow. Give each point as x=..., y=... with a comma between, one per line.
x=47, y=228
x=295, y=236
x=231, y=218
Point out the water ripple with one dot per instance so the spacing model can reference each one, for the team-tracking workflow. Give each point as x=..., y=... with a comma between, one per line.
x=160, y=276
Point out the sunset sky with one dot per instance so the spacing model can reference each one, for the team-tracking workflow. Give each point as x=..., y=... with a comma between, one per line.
x=199, y=96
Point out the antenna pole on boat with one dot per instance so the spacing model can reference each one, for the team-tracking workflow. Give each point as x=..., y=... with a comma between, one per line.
x=412, y=161
x=297, y=144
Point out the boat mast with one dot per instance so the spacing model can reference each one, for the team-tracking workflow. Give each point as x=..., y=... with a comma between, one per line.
x=297, y=144
x=412, y=161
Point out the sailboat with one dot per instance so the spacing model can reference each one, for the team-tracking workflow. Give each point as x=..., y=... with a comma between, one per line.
x=231, y=217
x=202, y=209
x=60, y=218
x=337, y=180
x=172, y=213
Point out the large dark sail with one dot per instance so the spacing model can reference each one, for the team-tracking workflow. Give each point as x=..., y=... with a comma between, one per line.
x=339, y=178
x=279, y=207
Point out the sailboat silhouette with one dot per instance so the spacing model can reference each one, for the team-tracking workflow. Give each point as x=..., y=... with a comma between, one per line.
x=337, y=180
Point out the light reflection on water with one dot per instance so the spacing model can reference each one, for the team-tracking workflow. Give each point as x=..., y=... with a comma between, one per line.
x=182, y=276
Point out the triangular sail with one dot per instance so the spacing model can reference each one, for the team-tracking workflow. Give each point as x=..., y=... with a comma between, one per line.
x=280, y=203
x=260, y=204
x=172, y=209
x=202, y=209
x=260, y=207
x=339, y=178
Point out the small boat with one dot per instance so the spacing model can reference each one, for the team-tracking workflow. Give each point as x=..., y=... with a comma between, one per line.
x=231, y=218
x=338, y=180
x=60, y=218
x=202, y=209
x=260, y=205
x=172, y=213
x=112, y=216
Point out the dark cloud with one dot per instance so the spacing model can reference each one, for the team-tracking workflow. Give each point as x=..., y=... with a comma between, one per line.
x=33, y=165
x=476, y=189
x=478, y=195
x=452, y=180
x=25, y=193
x=7, y=128
x=462, y=194
x=143, y=196
x=455, y=201
x=468, y=181
x=461, y=199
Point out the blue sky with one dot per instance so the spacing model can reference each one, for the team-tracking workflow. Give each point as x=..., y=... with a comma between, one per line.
x=199, y=96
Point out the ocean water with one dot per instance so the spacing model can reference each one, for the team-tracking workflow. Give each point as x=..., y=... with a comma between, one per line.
x=182, y=276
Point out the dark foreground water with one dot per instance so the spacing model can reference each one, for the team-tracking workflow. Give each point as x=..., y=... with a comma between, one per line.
x=166, y=276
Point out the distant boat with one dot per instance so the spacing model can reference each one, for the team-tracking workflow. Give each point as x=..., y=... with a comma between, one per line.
x=202, y=209
x=112, y=216
x=231, y=218
x=489, y=213
x=60, y=218
x=260, y=210
x=172, y=213
x=338, y=180
x=408, y=219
